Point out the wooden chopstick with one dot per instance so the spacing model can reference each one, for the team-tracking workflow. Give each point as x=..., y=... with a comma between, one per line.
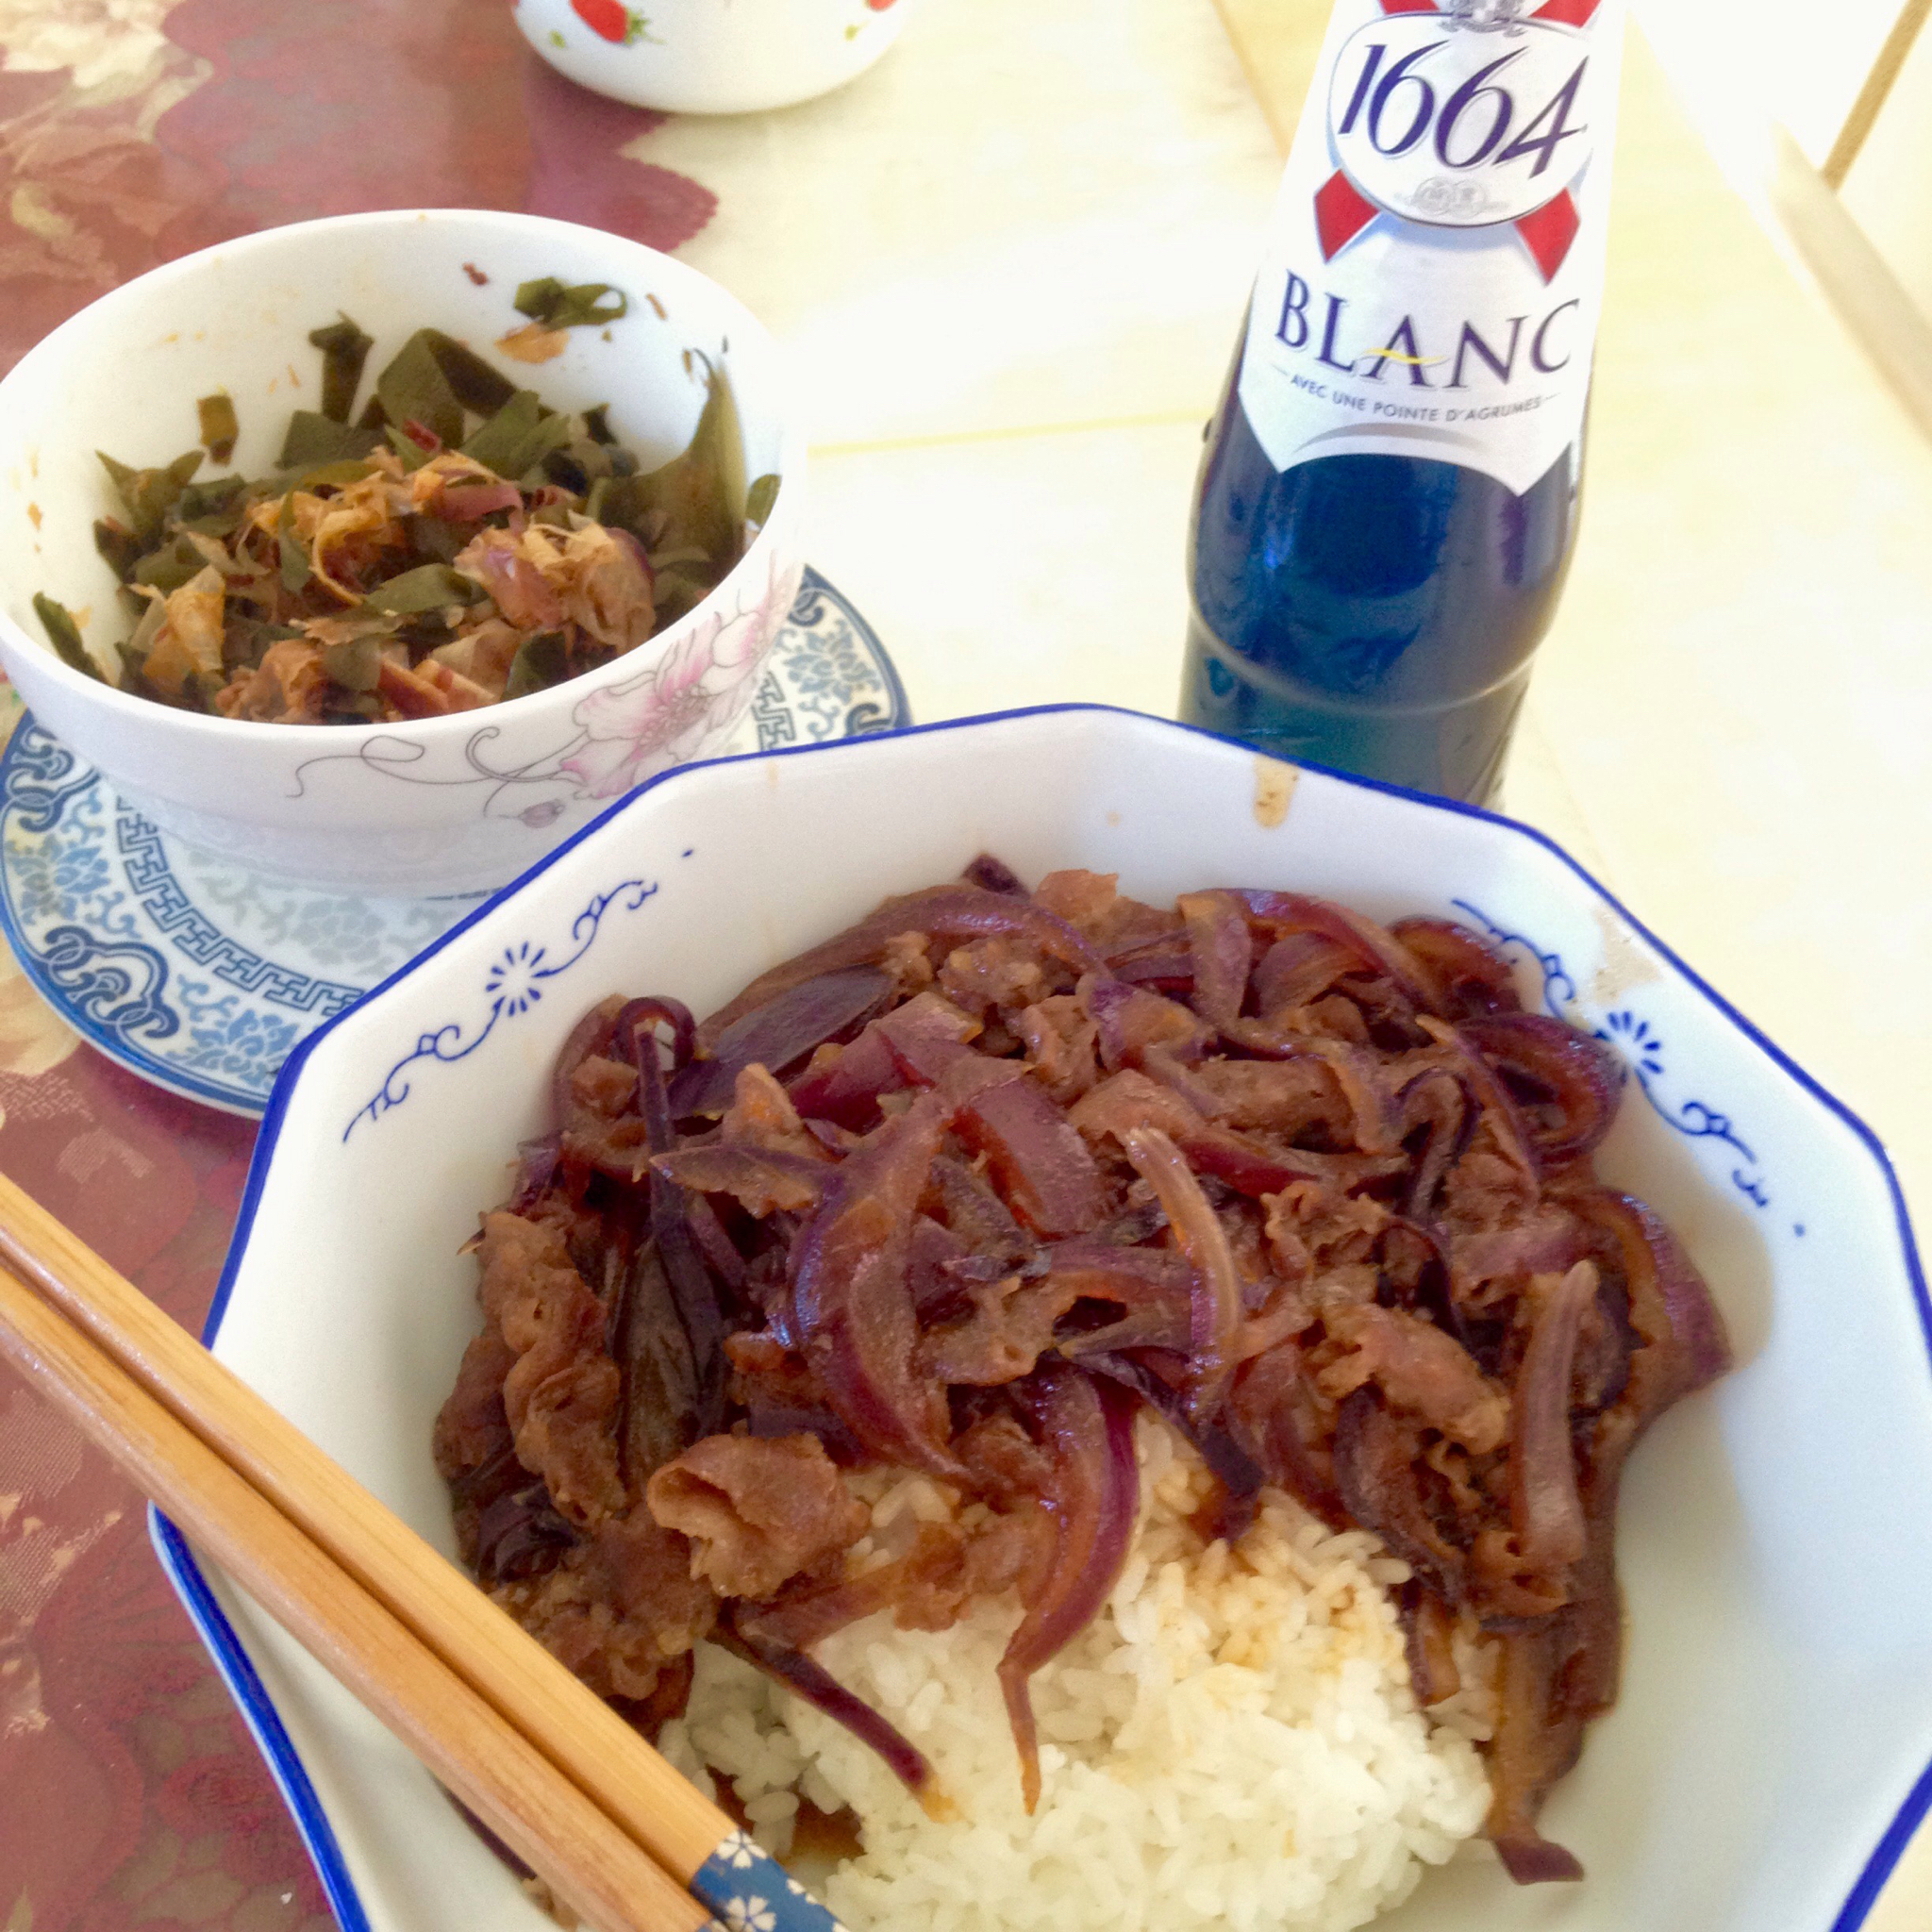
x=585, y=1858
x=442, y=1608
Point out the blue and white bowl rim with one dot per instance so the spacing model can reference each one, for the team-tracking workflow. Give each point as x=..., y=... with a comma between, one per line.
x=258, y=1708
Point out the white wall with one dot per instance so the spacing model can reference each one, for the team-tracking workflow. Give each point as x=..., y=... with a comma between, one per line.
x=1799, y=62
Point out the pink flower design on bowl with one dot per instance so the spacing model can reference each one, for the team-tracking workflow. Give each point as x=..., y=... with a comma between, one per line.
x=686, y=703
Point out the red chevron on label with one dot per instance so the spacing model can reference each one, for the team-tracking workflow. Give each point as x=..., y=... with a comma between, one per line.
x=1418, y=6
x=1548, y=231
x=1341, y=214
x=1562, y=12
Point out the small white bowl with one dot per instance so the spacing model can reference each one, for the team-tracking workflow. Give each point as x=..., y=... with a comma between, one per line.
x=435, y=804
x=1767, y=1759
x=711, y=57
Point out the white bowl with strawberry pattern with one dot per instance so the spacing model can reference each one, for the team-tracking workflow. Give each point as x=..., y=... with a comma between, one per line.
x=711, y=57
x=430, y=805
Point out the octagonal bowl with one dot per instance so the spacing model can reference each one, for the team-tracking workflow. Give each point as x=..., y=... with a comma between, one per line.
x=1766, y=1762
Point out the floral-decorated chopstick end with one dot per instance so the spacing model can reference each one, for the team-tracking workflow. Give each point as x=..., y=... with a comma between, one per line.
x=748, y=1890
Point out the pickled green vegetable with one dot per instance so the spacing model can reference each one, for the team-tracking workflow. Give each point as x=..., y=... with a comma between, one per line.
x=344, y=349
x=457, y=542
x=219, y=428
x=590, y=305
x=64, y=634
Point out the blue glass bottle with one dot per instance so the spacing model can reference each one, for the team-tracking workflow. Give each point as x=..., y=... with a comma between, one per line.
x=1373, y=612
x=1388, y=501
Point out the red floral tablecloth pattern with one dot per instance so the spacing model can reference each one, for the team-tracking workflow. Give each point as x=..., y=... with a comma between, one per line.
x=131, y=1797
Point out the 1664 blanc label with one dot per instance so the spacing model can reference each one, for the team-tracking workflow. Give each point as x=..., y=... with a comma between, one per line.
x=1434, y=267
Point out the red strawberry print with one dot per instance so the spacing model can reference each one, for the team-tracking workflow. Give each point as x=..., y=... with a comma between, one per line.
x=613, y=21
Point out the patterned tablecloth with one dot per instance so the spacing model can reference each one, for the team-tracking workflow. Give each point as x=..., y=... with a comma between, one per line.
x=132, y=131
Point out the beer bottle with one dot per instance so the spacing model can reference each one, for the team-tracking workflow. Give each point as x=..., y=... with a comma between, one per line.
x=1388, y=501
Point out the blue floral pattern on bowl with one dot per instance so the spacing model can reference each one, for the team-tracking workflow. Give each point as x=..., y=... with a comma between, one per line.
x=515, y=982
x=1636, y=1043
x=203, y=978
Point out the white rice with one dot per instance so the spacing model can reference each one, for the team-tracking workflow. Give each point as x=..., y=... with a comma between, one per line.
x=1232, y=1741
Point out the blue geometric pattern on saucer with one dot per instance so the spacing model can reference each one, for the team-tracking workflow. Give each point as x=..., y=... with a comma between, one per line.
x=203, y=978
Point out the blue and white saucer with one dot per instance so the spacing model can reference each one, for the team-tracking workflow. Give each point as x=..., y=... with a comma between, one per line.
x=203, y=978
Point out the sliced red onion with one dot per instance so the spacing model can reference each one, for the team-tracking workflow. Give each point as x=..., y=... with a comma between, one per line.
x=1253, y=1171
x=1088, y=1430
x=1427, y=1629
x=628, y=540
x=1498, y=1105
x=1151, y=1328
x=1278, y=1418
x=497, y=1474
x=1158, y=1063
x=831, y=1136
x=1544, y=1507
x=1130, y=1100
x=1038, y=1160
x=770, y=1417
x=588, y=1036
x=927, y=1035
x=720, y=1255
x=520, y=1534
x=1240, y=1475
x=1359, y=1073
x=1538, y=1736
x=639, y=1020
x=1163, y=967
x=1440, y=1102
x=1533, y=1860
x=1036, y=1157
x=537, y=1165
x=1681, y=1344
x=634, y=1030
x=945, y=913
x=777, y=1035
x=1375, y=1474
x=1281, y=914
x=1197, y=1228
x=847, y=1092
x=1298, y=970
x=658, y=1385
x=1130, y=1019
x=1104, y=1271
x=520, y=590
x=1696, y=1324
x=811, y=1681
x=759, y=1179
x=1472, y=977
x=931, y=1248
x=1568, y=1074
x=1547, y=1243
x=977, y=1215
x=1222, y=952
x=852, y=1294
x=1432, y=1288
x=993, y=876
x=1154, y=1288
